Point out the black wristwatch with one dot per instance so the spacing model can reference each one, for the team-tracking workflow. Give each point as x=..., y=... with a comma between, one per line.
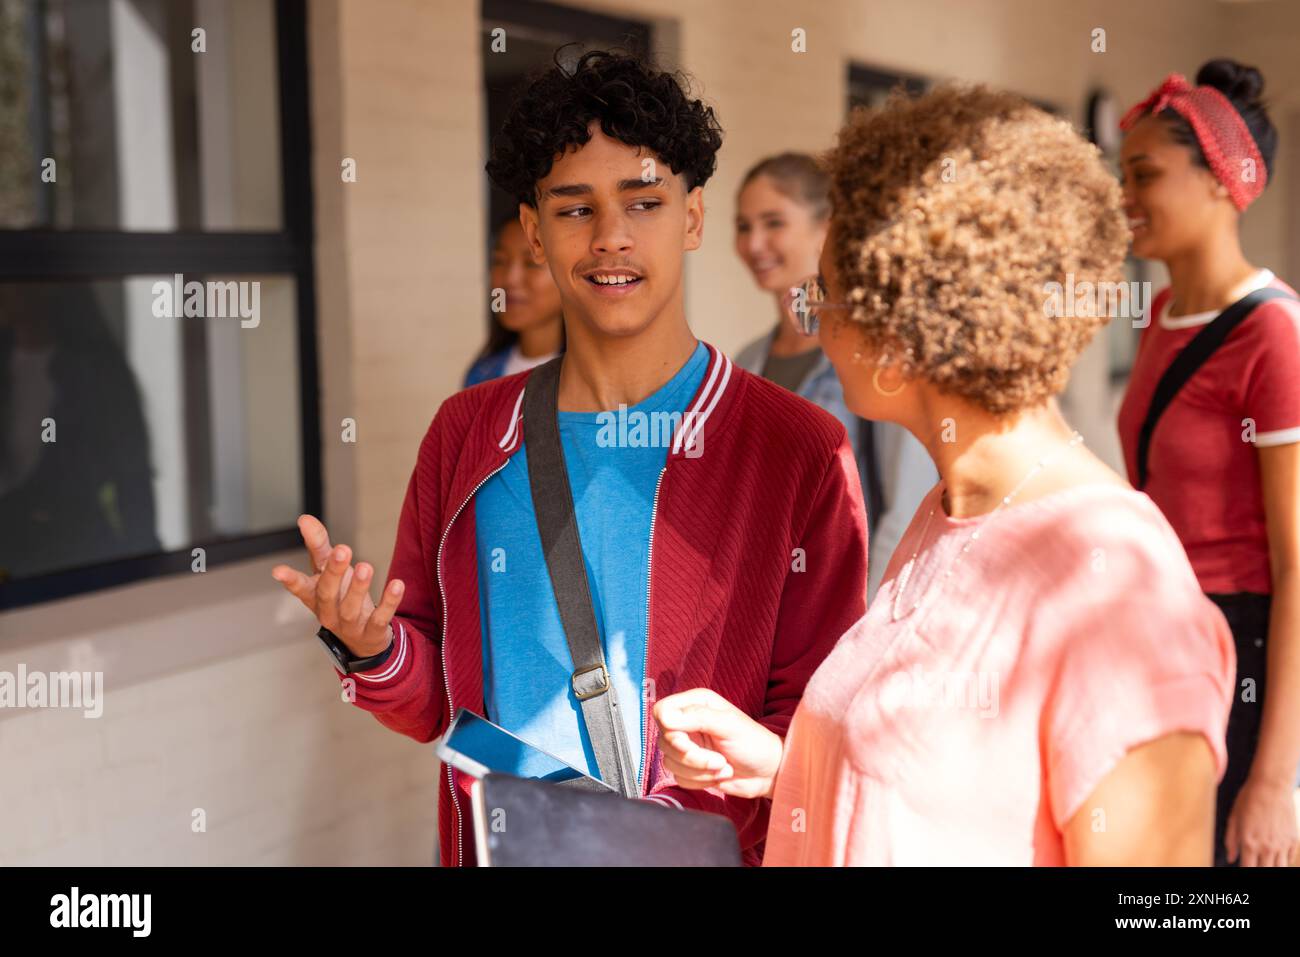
x=344, y=659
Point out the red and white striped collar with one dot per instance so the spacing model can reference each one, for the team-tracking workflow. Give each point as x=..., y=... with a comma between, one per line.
x=687, y=439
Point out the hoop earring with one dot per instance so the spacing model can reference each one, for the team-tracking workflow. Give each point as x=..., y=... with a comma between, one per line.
x=875, y=381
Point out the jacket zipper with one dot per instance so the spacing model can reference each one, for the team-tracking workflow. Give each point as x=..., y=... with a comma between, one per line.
x=645, y=664
x=446, y=677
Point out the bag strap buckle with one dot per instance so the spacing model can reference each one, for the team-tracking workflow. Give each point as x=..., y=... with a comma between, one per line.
x=585, y=690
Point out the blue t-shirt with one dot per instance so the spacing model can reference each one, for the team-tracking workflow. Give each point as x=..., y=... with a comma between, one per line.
x=614, y=460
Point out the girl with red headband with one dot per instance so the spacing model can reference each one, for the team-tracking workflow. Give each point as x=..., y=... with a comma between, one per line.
x=1210, y=423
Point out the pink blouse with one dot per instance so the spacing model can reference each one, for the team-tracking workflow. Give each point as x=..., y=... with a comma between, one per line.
x=971, y=728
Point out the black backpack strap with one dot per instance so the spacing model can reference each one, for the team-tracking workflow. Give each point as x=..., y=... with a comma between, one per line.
x=1194, y=355
x=558, y=526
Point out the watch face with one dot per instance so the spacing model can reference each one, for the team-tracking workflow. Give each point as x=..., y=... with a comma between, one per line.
x=334, y=648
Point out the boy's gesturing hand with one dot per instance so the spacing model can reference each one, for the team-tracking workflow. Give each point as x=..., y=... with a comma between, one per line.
x=339, y=595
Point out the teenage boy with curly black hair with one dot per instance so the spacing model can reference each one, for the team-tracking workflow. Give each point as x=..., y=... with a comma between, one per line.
x=723, y=551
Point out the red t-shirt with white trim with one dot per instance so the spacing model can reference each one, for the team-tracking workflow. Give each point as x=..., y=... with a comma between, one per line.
x=1203, y=469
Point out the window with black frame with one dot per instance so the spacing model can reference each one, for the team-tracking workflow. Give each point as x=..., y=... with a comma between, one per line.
x=157, y=366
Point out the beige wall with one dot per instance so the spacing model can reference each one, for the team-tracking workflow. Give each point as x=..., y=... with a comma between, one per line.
x=217, y=697
x=400, y=272
x=1266, y=34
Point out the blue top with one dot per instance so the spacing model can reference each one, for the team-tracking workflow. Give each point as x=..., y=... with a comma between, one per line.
x=489, y=367
x=614, y=468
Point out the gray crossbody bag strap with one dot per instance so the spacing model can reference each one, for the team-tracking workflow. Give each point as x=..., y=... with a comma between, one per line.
x=557, y=524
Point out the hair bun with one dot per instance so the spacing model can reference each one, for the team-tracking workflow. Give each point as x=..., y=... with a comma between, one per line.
x=1240, y=83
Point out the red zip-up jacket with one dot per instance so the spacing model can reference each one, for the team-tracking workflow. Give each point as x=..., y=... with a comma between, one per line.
x=758, y=546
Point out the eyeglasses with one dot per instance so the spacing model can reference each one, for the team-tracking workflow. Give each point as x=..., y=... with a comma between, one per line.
x=805, y=303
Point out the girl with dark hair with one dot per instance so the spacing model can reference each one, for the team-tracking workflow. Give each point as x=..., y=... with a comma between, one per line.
x=527, y=326
x=1224, y=462
x=782, y=211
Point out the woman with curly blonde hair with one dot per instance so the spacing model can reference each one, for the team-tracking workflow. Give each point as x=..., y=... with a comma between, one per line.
x=1039, y=680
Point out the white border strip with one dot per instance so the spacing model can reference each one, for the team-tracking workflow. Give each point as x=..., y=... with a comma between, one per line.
x=396, y=666
x=726, y=376
x=665, y=800
x=1278, y=437
x=508, y=438
x=689, y=417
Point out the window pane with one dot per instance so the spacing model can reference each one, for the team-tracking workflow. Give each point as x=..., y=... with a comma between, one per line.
x=148, y=414
x=155, y=115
